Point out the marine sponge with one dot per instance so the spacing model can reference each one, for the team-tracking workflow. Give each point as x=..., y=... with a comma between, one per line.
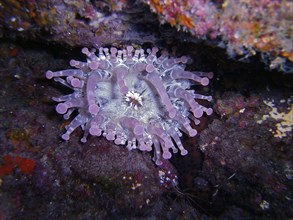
x=133, y=98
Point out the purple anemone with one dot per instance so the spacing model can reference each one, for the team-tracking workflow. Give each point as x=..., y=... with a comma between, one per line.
x=133, y=98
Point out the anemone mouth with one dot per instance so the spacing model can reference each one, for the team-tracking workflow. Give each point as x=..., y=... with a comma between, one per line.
x=132, y=98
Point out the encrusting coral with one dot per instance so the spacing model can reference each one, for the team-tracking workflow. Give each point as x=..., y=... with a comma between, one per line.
x=133, y=98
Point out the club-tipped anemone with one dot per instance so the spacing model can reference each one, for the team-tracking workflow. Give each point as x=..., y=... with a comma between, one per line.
x=133, y=98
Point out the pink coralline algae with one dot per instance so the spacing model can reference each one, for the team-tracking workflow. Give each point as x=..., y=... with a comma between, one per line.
x=133, y=98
